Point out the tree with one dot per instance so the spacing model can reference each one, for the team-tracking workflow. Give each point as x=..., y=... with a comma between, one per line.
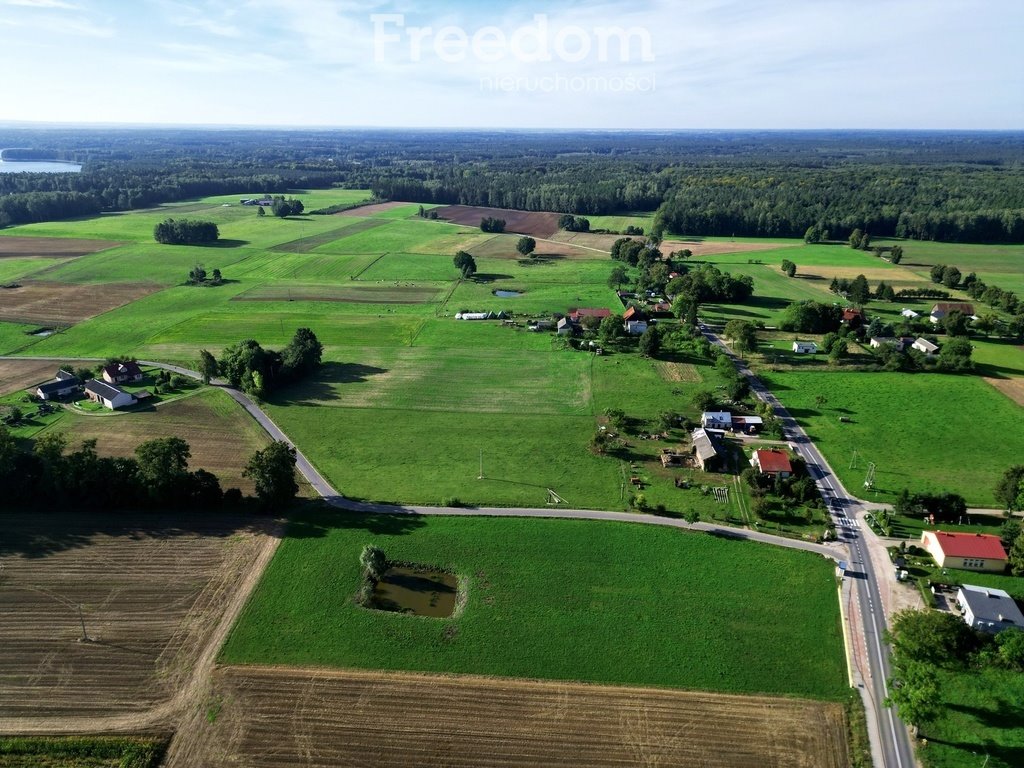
x=1009, y=491
x=302, y=355
x=813, y=234
x=650, y=342
x=986, y=323
x=1010, y=645
x=197, y=275
x=856, y=239
x=914, y=691
x=951, y=277
x=526, y=245
x=260, y=212
x=743, y=335
x=889, y=294
x=374, y=561
x=859, y=292
x=610, y=329
x=956, y=323
x=163, y=468
x=1008, y=533
x=216, y=277
x=282, y=207
x=896, y=254
x=738, y=389
x=703, y=400
x=1017, y=556
x=492, y=225
x=789, y=268
x=955, y=355
x=936, y=273
x=839, y=350
x=272, y=470
x=185, y=232
x=930, y=637
x=465, y=263
x=692, y=516
x=207, y=366
x=618, y=277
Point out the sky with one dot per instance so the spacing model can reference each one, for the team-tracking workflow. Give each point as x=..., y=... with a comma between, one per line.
x=613, y=64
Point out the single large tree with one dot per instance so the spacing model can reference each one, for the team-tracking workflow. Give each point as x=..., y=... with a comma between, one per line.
x=650, y=342
x=618, y=277
x=207, y=365
x=374, y=561
x=1009, y=491
x=526, y=245
x=465, y=263
x=743, y=335
x=272, y=470
x=163, y=467
x=914, y=691
x=930, y=637
x=860, y=291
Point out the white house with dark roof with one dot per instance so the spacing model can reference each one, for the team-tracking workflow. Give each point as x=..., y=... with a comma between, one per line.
x=988, y=609
x=108, y=395
x=63, y=385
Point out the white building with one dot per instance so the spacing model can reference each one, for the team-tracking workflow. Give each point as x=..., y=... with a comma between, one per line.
x=988, y=609
x=923, y=345
x=108, y=395
x=716, y=420
x=635, y=327
x=805, y=347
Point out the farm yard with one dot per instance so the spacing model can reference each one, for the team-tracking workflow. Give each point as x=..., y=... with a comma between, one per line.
x=151, y=589
x=324, y=718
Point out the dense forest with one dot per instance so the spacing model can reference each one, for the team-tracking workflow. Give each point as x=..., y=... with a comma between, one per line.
x=929, y=185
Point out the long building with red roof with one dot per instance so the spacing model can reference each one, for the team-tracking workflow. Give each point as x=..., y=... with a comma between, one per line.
x=969, y=551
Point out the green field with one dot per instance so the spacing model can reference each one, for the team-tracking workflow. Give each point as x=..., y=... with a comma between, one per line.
x=81, y=751
x=556, y=599
x=982, y=721
x=919, y=429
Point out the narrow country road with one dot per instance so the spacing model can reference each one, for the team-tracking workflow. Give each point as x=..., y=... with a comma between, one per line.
x=891, y=746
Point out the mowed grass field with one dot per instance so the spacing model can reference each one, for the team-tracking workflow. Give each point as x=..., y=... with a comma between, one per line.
x=923, y=431
x=556, y=599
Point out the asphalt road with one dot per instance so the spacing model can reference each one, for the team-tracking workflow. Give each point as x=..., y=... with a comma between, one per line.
x=891, y=742
x=893, y=746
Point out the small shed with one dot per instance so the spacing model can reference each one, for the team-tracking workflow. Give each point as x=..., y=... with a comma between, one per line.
x=923, y=345
x=635, y=327
x=805, y=347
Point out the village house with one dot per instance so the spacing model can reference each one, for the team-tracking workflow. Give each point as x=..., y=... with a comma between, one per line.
x=923, y=345
x=565, y=327
x=716, y=420
x=635, y=327
x=108, y=395
x=805, y=347
x=63, y=385
x=577, y=314
x=120, y=373
x=943, y=308
x=969, y=551
x=707, y=450
x=988, y=609
x=774, y=463
x=853, y=317
x=634, y=314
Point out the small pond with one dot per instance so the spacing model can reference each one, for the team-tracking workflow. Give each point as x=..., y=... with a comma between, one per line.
x=42, y=332
x=416, y=590
x=508, y=294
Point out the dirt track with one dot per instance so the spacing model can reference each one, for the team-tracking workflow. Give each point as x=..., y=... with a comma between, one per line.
x=293, y=717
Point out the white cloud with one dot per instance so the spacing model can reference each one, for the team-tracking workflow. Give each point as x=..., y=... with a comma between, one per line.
x=49, y=4
x=186, y=57
x=213, y=18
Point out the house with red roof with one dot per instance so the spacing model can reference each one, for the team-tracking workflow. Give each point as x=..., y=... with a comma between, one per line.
x=969, y=551
x=853, y=317
x=774, y=463
x=119, y=373
x=576, y=315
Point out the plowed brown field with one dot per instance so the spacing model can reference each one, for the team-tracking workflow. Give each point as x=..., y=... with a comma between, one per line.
x=21, y=374
x=535, y=223
x=292, y=717
x=50, y=247
x=715, y=248
x=60, y=304
x=152, y=590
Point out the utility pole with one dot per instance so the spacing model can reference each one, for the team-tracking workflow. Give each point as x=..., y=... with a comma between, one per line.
x=481, y=475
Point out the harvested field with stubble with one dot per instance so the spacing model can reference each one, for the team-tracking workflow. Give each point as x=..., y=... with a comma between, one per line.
x=153, y=590
x=1012, y=388
x=535, y=223
x=702, y=248
x=374, y=208
x=51, y=247
x=22, y=374
x=504, y=247
x=294, y=717
x=61, y=304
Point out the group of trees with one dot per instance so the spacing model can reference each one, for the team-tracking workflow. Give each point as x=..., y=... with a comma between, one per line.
x=788, y=268
x=158, y=476
x=811, y=317
x=465, y=263
x=198, y=276
x=258, y=371
x=571, y=223
x=707, y=283
x=1009, y=491
x=924, y=643
x=492, y=224
x=526, y=246
x=948, y=276
x=859, y=240
x=946, y=507
x=283, y=206
x=185, y=232
x=858, y=291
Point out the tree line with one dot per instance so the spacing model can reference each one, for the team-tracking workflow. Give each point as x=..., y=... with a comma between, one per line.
x=185, y=232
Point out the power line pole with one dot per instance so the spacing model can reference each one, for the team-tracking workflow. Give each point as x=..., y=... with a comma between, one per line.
x=481, y=475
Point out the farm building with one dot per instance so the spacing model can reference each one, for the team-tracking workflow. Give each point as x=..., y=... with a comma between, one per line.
x=63, y=385
x=923, y=345
x=774, y=463
x=565, y=327
x=108, y=395
x=988, y=609
x=707, y=449
x=943, y=308
x=474, y=316
x=910, y=314
x=805, y=347
x=579, y=313
x=634, y=314
x=716, y=420
x=635, y=327
x=542, y=325
x=119, y=373
x=877, y=342
x=970, y=551
x=749, y=425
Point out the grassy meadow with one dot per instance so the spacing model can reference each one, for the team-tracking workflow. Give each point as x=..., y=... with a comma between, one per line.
x=556, y=599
